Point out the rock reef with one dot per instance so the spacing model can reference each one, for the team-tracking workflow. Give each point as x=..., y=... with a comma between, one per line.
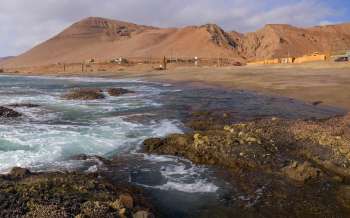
x=93, y=94
x=84, y=94
x=281, y=168
x=27, y=105
x=8, y=113
x=118, y=91
x=26, y=194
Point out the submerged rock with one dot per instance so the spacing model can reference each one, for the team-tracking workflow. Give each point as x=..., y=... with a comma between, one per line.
x=152, y=144
x=143, y=214
x=28, y=105
x=84, y=94
x=8, y=113
x=118, y=91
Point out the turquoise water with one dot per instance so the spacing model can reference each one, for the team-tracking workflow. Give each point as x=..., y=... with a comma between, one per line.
x=58, y=129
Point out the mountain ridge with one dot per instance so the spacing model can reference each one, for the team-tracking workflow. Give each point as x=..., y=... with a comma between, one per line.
x=105, y=39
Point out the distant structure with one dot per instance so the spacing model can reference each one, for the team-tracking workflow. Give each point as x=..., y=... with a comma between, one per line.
x=294, y=60
x=165, y=61
x=119, y=60
x=311, y=58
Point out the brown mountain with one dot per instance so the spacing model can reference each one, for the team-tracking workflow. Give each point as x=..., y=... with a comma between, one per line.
x=2, y=59
x=279, y=40
x=105, y=39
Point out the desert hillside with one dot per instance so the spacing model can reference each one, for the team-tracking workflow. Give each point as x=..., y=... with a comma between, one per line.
x=2, y=59
x=104, y=39
x=279, y=40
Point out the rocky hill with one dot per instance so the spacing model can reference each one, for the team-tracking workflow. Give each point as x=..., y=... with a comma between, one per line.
x=5, y=58
x=104, y=39
x=282, y=40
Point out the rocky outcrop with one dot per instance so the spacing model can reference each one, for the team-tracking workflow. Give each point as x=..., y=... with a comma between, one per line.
x=301, y=172
x=118, y=91
x=220, y=37
x=18, y=173
x=26, y=194
x=28, y=105
x=89, y=94
x=8, y=113
x=84, y=94
x=273, y=160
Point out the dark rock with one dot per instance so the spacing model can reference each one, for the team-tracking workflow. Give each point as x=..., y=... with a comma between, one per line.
x=93, y=158
x=344, y=195
x=301, y=172
x=18, y=172
x=11, y=205
x=206, y=120
x=118, y=91
x=316, y=103
x=173, y=144
x=84, y=94
x=8, y=113
x=152, y=144
x=28, y=105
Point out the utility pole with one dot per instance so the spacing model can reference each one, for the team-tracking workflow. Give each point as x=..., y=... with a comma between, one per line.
x=164, y=63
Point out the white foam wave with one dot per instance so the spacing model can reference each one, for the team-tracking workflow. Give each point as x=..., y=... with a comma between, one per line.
x=35, y=144
x=167, y=127
x=181, y=175
x=199, y=186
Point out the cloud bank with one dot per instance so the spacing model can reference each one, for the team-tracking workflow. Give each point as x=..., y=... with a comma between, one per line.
x=26, y=23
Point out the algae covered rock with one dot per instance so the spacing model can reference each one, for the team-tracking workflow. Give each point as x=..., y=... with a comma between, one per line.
x=152, y=144
x=18, y=172
x=84, y=94
x=118, y=91
x=278, y=167
x=25, y=194
x=174, y=144
x=301, y=172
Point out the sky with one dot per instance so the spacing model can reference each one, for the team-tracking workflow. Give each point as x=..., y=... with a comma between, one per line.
x=26, y=23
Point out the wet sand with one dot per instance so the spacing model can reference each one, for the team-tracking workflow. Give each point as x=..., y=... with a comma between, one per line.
x=328, y=84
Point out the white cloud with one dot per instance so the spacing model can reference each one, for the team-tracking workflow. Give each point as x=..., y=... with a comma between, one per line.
x=26, y=23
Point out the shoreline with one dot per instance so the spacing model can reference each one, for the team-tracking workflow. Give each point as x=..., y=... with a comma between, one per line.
x=253, y=162
x=315, y=83
x=272, y=160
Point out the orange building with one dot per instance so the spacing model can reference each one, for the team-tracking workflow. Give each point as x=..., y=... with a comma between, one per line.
x=311, y=58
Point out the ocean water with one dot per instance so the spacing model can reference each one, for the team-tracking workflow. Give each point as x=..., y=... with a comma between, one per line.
x=47, y=137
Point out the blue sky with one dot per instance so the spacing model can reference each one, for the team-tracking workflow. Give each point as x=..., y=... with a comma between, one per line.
x=26, y=23
x=341, y=10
